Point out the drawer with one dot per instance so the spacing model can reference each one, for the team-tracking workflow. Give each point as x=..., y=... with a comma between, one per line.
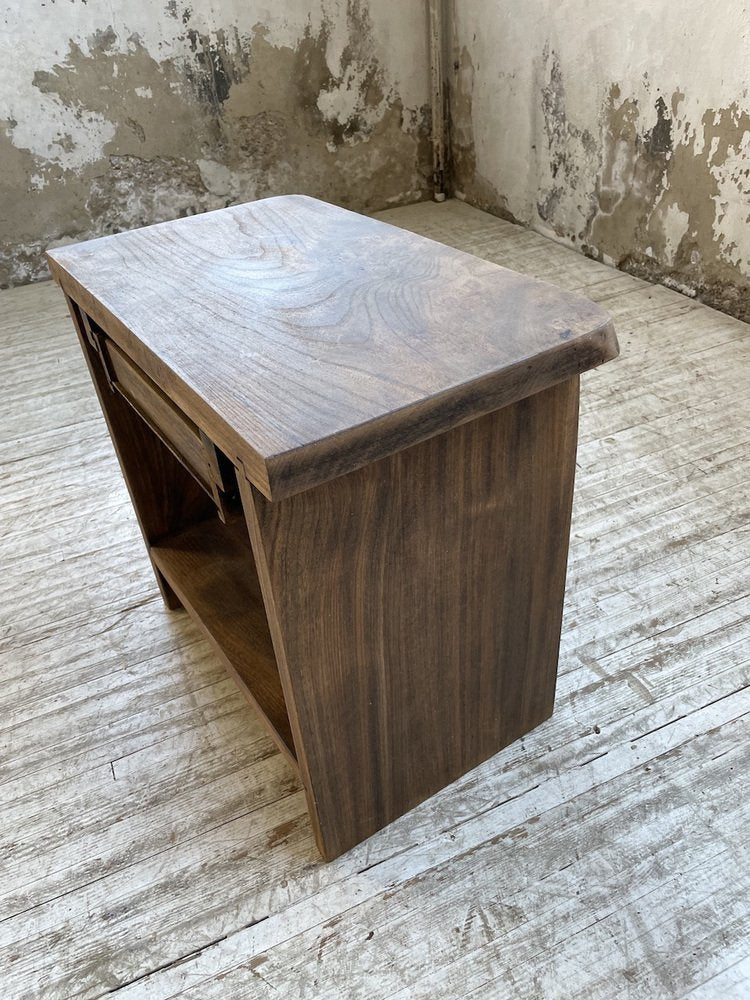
x=176, y=430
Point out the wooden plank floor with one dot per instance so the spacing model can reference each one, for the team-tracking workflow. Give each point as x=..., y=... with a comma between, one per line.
x=153, y=843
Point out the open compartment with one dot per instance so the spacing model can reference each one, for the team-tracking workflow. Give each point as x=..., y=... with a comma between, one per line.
x=211, y=568
x=187, y=500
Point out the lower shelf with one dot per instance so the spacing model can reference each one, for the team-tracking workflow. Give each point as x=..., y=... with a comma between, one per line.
x=210, y=567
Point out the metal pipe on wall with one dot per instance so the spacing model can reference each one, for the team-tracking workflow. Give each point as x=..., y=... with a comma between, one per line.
x=437, y=98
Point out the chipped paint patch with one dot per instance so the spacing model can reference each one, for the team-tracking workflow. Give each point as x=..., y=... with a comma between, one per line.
x=654, y=193
x=132, y=123
x=676, y=225
x=672, y=199
x=573, y=123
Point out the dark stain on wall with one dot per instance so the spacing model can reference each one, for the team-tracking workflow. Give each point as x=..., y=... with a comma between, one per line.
x=569, y=149
x=236, y=118
x=218, y=65
x=659, y=139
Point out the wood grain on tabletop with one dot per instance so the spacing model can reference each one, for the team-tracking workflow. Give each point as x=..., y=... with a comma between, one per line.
x=307, y=340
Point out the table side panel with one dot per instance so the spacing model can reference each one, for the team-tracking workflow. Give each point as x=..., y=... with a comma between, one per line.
x=415, y=607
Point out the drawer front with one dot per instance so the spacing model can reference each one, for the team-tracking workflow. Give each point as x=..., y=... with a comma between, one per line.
x=176, y=430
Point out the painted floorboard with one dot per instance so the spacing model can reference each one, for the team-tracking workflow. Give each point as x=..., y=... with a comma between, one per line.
x=154, y=844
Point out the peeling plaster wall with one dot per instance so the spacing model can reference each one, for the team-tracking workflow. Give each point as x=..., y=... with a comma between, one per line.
x=121, y=114
x=620, y=129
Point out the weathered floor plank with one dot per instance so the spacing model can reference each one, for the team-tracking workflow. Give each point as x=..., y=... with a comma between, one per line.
x=153, y=843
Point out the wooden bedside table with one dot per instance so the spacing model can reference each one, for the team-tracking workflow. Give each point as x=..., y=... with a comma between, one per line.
x=351, y=452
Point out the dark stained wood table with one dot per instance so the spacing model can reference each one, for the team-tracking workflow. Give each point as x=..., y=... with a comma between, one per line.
x=351, y=451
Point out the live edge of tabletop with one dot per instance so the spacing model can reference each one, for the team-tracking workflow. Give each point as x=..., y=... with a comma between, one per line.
x=351, y=452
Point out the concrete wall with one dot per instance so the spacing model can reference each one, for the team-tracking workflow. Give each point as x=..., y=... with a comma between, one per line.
x=120, y=114
x=619, y=128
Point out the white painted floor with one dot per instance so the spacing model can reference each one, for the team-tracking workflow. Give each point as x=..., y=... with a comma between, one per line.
x=154, y=844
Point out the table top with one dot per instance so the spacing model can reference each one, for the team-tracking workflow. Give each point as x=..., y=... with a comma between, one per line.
x=310, y=340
